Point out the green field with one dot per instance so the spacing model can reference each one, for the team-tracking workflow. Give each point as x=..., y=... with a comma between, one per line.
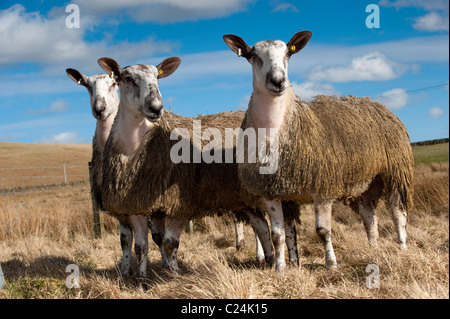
x=427, y=154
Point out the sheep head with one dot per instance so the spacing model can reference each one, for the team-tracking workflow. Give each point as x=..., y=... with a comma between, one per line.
x=102, y=91
x=138, y=85
x=269, y=60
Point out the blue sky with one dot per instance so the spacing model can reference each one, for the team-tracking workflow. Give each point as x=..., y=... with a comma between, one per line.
x=404, y=63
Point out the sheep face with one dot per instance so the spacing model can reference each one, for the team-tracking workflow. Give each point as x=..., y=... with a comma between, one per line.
x=269, y=60
x=104, y=96
x=139, y=91
x=138, y=84
x=102, y=91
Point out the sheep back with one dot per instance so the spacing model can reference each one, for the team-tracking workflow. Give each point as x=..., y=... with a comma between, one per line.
x=334, y=147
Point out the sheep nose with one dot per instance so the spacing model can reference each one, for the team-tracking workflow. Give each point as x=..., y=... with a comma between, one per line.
x=278, y=83
x=99, y=111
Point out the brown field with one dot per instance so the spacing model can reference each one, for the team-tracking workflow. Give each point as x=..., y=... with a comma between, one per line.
x=43, y=230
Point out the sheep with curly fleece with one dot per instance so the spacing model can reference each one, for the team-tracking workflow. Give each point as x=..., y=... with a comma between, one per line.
x=350, y=149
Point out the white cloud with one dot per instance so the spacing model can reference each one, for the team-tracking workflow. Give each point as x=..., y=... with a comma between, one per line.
x=63, y=138
x=394, y=99
x=308, y=90
x=374, y=66
x=30, y=37
x=436, y=112
x=243, y=103
x=284, y=7
x=58, y=106
x=424, y=4
x=164, y=11
x=432, y=21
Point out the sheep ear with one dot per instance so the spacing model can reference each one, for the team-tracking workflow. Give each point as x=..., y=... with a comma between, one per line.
x=298, y=41
x=167, y=67
x=237, y=45
x=77, y=77
x=111, y=67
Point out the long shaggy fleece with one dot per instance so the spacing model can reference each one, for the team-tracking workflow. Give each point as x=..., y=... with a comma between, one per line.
x=334, y=147
x=149, y=181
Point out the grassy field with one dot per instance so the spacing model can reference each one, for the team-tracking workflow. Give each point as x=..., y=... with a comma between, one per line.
x=42, y=231
x=427, y=154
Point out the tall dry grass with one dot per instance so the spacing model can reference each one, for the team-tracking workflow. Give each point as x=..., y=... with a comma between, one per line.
x=45, y=232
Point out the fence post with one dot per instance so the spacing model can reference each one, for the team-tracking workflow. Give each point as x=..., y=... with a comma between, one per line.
x=65, y=175
x=99, y=225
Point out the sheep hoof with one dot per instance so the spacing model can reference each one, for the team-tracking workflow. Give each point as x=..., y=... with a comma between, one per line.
x=294, y=263
x=332, y=265
x=141, y=284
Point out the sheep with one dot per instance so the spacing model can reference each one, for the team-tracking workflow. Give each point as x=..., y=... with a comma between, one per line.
x=104, y=100
x=139, y=178
x=350, y=149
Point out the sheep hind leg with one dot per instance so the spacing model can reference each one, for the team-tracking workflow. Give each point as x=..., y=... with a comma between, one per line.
x=366, y=209
x=239, y=229
x=291, y=242
x=158, y=230
x=171, y=241
x=140, y=227
x=126, y=240
x=323, y=209
x=275, y=211
x=399, y=216
x=264, y=249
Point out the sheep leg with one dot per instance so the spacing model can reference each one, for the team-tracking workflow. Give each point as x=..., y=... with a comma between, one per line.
x=171, y=241
x=259, y=250
x=264, y=249
x=323, y=228
x=239, y=228
x=275, y=211
x=126, y=240
x=158, y=230
x=399, y=216
x=291, y=242
x=366, y=209
x=140, y=227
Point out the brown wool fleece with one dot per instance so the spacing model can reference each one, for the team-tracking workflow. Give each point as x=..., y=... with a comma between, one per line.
x=334, y=147
x=149, y=181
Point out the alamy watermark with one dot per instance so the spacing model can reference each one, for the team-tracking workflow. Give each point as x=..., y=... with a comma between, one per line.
x=73, y=280
x=373, y=279
x=2, y=282
x=373, y=19
x=256, y=141
x=73, y=19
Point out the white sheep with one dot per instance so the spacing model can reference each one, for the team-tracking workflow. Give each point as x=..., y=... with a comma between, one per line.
x=139, y=178
x=350, y=149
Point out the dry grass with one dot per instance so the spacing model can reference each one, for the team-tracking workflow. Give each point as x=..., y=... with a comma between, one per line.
x=44, y=235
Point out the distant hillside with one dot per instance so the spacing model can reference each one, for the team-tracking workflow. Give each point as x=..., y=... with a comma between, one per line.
x=35, y=155
x=431, y=142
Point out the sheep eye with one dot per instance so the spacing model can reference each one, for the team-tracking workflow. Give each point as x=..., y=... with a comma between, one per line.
x=130, y=80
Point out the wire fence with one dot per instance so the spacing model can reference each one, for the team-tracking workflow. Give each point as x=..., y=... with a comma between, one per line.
x=51, y=201
x=14, y=177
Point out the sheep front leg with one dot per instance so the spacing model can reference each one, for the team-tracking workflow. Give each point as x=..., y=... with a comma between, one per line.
x=323, y=228
x=126, y=240
x=264, y=249
x=275, y=211
x=171, y=241
x=140, y=227
x=399, y=216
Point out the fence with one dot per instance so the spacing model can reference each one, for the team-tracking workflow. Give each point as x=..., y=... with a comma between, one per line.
x=51, y=200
